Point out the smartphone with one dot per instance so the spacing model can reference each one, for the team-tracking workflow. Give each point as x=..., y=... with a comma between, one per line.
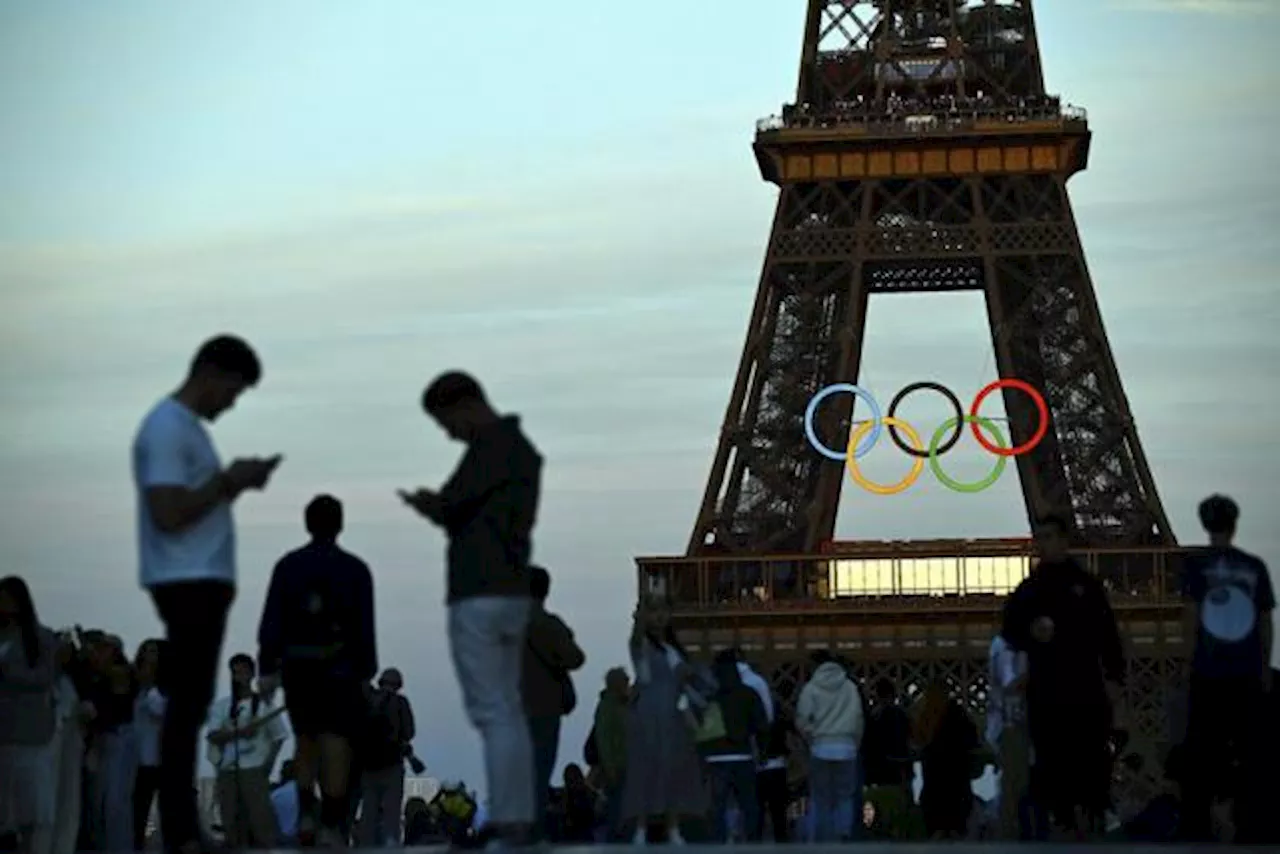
x=405, y=495
x=272, y=462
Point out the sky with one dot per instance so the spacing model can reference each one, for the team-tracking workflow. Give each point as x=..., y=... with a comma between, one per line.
x=561, y=199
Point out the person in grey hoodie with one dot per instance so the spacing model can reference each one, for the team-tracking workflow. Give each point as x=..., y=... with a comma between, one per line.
x=488, y=508
x=829, y=716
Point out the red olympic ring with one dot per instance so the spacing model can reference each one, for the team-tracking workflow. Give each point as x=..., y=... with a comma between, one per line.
x=1041, y=407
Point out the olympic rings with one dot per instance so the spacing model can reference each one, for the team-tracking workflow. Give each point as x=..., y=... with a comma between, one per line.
x=1041, y=407
x=865, y=435
x=850, y=460
x=957, y=422
x=1002, y=460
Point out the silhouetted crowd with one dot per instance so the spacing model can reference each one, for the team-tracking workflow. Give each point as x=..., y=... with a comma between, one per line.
x=681, y=749
x=915, y=112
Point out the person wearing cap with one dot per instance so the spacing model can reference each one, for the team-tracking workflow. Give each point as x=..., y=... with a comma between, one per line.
x=387, y=745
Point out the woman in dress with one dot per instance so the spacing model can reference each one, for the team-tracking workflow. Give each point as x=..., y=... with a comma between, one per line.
x=148, y=717
x=664, y=776
x=28, y=652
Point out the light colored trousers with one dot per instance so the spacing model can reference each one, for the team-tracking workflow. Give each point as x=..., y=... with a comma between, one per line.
x=487, y=639
x=111, y=790
x=382, y=799
x=66, y=760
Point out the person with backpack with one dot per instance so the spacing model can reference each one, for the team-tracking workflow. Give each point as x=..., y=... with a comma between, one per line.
x=550, y=655
x=729, y=736
x=317, y=640
x=388, y=744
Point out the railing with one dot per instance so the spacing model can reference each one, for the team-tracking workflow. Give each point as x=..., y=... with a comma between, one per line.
x=924, y=122
x=973, y=578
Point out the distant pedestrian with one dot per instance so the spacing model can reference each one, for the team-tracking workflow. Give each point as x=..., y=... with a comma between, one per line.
x=550, y=656
x=1230, y=600
x=488, y=508
x=1060, y=617
x=387, y=744
x=186, y=548
x=317, y=639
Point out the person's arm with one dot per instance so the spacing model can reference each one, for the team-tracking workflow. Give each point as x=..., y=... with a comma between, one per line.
x=554, y=641
x=366, y=651
x=18, y=673
x=611, y=742
x=162, y=475
x=219, y=730
x=804, y=712
x=408, y=727
x=1016, y=623
x=270, y=626
x=1266, y=603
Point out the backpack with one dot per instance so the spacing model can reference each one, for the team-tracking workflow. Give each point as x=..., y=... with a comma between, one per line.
x=591, y=749
x=382, y=747
x=315, y=634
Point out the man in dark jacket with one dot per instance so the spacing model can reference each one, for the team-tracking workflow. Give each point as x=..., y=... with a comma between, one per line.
x=550, y=655
x=1060, y=617
x=488, y=508
x=317, y=639
x=731, y=748
x=609, y=735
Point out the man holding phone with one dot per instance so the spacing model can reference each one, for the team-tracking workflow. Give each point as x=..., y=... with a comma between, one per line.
x=186, y=549
x=487, y=509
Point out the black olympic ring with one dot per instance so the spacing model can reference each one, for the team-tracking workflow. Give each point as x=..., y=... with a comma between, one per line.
x=955, y=404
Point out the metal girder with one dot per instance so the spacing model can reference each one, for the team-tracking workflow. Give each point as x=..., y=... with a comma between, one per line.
x=873, y=48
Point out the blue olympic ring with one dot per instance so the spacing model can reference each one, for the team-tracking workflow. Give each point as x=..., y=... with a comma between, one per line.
x=877, y=420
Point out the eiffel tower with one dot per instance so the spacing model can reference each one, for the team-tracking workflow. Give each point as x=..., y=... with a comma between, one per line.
x=922, y=154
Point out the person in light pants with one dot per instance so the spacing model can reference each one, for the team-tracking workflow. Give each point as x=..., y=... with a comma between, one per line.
x=488, y=509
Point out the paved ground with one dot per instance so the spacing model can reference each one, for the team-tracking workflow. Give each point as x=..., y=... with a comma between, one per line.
x=896, y=848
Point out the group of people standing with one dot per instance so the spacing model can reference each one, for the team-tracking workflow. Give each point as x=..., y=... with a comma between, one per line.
x=316, y=636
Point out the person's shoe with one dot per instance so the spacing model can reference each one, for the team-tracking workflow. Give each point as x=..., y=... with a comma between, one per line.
x=328, y=837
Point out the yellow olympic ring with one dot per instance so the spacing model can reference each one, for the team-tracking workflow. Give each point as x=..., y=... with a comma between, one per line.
x=851, y=462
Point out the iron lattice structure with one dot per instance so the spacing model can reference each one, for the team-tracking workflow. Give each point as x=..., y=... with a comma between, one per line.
x=922, y=154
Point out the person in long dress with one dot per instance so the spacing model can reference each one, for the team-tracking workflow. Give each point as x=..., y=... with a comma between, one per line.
x=664, y=776
x=28, y=673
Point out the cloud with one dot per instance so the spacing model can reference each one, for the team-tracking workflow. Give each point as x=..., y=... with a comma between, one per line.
x=1206, y=7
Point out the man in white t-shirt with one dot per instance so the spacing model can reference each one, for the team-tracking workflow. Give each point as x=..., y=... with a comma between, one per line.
x=186, y=550
x=245, y=736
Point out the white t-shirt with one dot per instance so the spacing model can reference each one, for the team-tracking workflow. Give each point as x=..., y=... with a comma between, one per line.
x=173, y=448
x=148, y=718
x=252, y=751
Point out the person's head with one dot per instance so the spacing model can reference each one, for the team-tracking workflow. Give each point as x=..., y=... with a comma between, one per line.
x=724, y=667
x=885, y=692
x=147, y=661
x=18, y=615
x=457, y=403
x=391, y=680
x=1218, y=516
x=539, y=584
x=617, y=683
x=242, y=671
x=324, y=518
x=1051, y=536
x=573, y=776
x=17, y=611
x=820, y=657
x=222, y=369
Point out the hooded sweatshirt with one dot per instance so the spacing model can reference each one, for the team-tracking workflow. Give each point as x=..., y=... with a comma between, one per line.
x=829, y=713
x=490, y=506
